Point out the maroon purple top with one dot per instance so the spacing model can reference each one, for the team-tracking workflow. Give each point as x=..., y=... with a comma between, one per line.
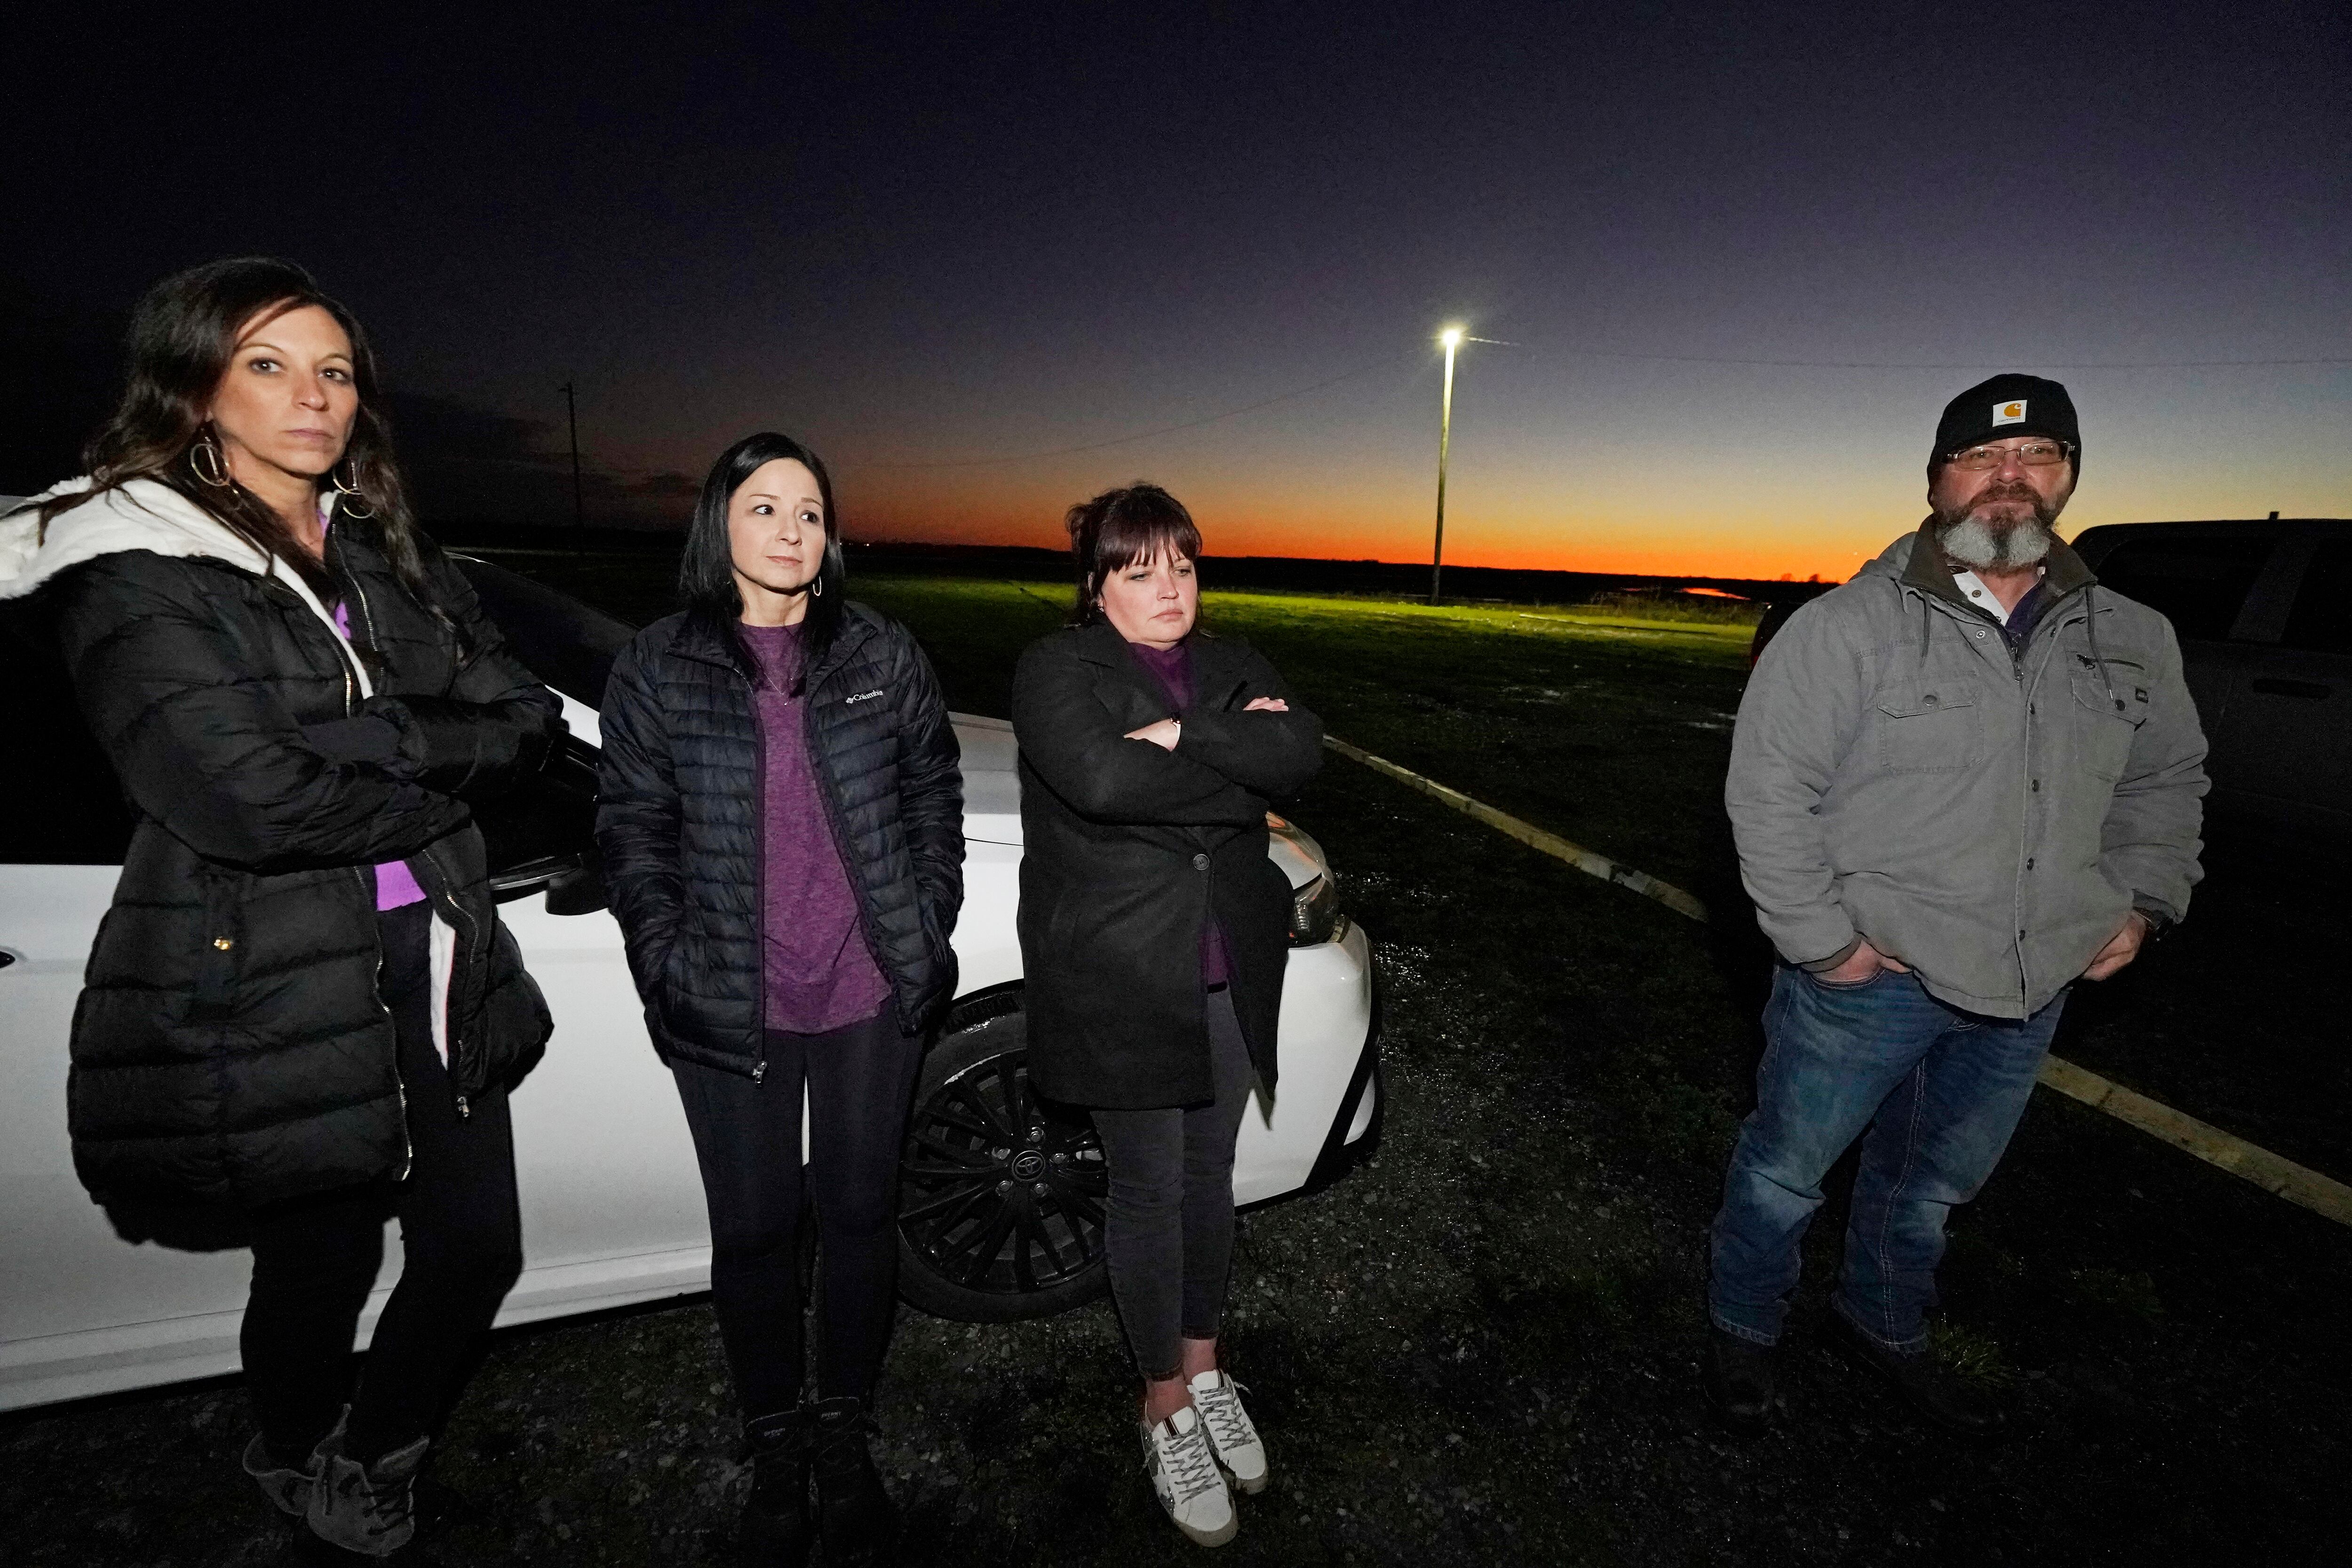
x=1172, y=669
x=820, y=974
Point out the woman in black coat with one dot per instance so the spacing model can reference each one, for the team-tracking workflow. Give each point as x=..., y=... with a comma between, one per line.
x=1154, y=936
x=782, y=821
x=301, y=1004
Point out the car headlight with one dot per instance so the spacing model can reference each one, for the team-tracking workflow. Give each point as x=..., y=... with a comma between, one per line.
x=1315, y=914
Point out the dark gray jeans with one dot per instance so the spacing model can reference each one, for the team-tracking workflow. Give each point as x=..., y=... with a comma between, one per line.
x=1169, y=1233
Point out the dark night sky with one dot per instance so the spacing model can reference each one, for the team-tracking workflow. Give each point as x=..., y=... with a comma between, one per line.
x=976, y=235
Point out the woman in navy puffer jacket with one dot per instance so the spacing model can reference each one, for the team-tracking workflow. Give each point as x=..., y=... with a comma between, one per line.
x=782, y=821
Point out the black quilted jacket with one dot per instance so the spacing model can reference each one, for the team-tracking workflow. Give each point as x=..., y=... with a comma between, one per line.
x=679, y=813
x=230, y=1044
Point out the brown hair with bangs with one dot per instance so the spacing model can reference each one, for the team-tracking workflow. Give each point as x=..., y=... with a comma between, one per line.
x=1120, y=528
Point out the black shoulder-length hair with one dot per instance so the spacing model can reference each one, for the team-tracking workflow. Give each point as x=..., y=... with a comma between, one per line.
x=1117, y=529
x=183, y=334
x=706, y=571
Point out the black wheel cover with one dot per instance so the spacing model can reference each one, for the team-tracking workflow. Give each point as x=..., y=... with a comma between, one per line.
x=1002, y=1192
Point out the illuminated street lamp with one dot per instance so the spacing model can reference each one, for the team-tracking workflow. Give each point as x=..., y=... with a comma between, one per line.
x=1451, y=338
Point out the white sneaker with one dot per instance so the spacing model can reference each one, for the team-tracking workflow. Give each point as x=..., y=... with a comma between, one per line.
x=1230, y=1432
x=1184, y=1473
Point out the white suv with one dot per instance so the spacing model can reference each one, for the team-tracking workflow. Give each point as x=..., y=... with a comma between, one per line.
x=1001, y=1197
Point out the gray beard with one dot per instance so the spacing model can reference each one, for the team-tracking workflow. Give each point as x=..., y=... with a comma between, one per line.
x=1975, y=544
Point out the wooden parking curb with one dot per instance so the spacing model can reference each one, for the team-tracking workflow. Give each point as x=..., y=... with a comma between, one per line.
x=1589, y=861
x=2274, y=1174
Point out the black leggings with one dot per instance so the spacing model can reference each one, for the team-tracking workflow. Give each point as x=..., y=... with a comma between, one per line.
x=314, y=1260
x=747, y=1136
x=1168, y=1234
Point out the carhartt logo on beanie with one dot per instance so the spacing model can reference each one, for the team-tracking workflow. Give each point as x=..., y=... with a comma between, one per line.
x=2006, y=405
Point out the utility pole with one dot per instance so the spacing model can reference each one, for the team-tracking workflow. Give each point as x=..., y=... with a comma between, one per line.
x=578, y=502
x=1451, y=338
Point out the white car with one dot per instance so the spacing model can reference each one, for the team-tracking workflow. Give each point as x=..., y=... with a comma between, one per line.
x=1001, y=1196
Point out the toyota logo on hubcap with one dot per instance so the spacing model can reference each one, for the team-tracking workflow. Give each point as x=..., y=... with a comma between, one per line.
x=1028, y=1166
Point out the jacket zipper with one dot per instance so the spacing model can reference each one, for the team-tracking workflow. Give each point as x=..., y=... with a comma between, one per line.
x=832, y=806
x=375, y=989
x=367, y=619
x=474, y=946
x=760, y=870
x=2028, y=684
x=407, y=1155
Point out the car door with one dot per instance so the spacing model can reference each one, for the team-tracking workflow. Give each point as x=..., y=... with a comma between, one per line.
x=82, y=1309
x=612, y=1200
x=2204, y=579
x=2288, y=732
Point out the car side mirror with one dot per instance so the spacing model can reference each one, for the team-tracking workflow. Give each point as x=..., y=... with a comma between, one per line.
x=580, y=890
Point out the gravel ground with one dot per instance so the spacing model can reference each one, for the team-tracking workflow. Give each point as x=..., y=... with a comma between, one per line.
x=1480, y=1347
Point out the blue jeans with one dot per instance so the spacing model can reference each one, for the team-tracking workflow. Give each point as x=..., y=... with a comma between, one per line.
x=1939, y=1091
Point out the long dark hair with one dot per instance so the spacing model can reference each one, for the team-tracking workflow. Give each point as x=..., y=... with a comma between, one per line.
x=182, y=336
x=706, y=568
x=1117, y=529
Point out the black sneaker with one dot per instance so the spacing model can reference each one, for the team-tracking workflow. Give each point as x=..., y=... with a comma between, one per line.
x=774, y=1530
x=1740, y=1379
x=855, y=1519
x=1934, y=1390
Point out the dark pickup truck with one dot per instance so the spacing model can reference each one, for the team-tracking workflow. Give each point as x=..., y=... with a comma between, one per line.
x=2264, y=611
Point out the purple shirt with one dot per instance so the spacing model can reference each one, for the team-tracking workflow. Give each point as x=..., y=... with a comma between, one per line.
x=1172, y=669
x=820, y=974
x=396, y=885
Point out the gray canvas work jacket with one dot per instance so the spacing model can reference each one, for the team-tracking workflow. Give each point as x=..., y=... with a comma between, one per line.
x=1990, y=820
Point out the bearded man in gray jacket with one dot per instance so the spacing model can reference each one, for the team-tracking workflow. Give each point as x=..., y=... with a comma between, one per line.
x=1960, y=783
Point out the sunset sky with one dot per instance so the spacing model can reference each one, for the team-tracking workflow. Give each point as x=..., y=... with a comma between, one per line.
x=946, y=250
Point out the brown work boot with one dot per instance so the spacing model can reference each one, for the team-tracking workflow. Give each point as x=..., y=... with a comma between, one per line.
x=1932, y=1389
x=1740, y=1379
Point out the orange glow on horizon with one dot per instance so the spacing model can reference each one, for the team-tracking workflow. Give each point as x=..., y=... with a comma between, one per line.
x=1729, y=553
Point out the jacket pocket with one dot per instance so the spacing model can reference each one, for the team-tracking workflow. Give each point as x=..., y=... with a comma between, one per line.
x=516, y=1020
x=1929, y=726
x=2109, y=709
x=222, y=935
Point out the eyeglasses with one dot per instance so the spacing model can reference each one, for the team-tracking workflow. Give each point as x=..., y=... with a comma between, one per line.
x=2032, y=454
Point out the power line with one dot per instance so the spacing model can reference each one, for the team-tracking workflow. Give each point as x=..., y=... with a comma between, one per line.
x=1149, y=434
x=1948, y=364
x=1579, y=351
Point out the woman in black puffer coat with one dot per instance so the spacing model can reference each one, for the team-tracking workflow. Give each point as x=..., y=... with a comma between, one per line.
x=782, y=821
x=1154, y=937
x=301, y=1004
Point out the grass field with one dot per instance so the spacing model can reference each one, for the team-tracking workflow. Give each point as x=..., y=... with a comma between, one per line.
x=1482, y=1346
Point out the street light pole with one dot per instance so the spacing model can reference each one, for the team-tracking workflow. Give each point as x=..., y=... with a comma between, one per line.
x=579, y=503
x=1451, y=338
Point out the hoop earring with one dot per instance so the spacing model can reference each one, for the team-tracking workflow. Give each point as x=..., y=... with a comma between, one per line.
x=218, y=474
x=353, y=497
x=816, y=584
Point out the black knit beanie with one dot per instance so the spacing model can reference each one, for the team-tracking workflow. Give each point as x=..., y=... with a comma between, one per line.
x=2006, y=405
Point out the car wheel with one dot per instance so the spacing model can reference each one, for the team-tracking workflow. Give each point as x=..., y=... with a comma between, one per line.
x=1000, y=1193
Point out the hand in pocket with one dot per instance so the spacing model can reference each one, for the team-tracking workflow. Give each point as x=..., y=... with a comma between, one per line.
x=1861, y=966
